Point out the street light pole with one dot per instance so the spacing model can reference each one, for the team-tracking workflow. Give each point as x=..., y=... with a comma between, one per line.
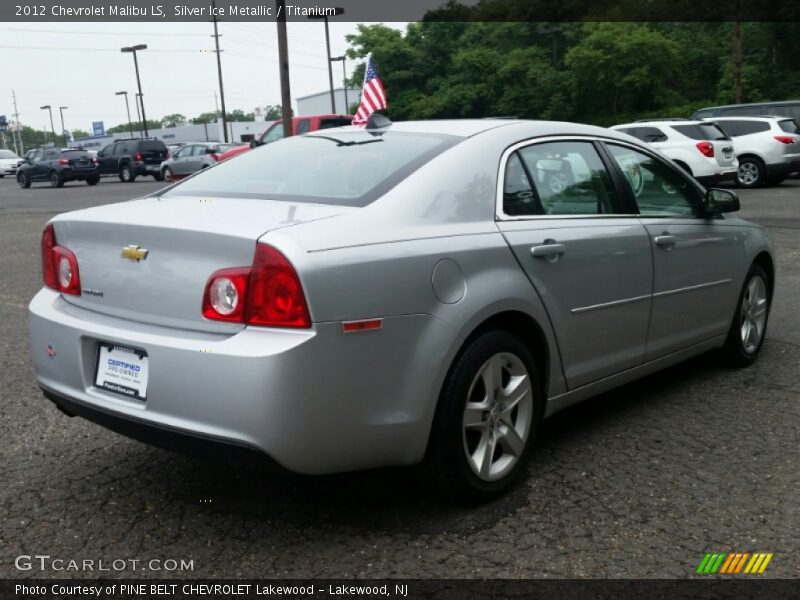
x=283, y=60
x=219, y=71
x=133, y=50
x=336, y=11
x=50, y=110
x=138, y=113
x=343, y=58
x=127, y=110
x=63, y=129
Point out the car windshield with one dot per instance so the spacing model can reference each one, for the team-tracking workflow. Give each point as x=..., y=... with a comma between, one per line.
x=702, y=131
x=789, y=126
x=346, y=169
x=7, y=154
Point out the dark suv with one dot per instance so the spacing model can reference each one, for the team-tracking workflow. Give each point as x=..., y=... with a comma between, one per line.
x=57, y=167
x=133, y=157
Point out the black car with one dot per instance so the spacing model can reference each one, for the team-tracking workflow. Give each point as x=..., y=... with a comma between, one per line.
x=131, y=158
x=57, y=167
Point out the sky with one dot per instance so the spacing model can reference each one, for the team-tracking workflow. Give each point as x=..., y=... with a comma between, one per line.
x=80, y=66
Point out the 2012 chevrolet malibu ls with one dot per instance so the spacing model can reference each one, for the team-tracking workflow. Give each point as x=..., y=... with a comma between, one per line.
x=395, y=294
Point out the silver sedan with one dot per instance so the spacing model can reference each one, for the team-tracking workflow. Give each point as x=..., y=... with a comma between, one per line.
x=420, y=292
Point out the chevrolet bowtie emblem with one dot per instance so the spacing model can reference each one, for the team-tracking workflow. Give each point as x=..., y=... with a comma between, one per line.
x=133, y=252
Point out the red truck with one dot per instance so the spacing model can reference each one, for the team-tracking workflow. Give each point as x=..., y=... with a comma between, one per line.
x=300, y=125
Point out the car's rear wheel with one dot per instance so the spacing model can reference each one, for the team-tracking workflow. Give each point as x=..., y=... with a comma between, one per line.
x=486, y=420
x=92, y=180
x=167, y=174
x=24, y=181
x=751, y=172
x=747, y=332
x=126, y=174
x=55, y=180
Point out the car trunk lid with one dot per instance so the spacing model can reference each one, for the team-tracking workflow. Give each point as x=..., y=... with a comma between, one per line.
x=171, y=247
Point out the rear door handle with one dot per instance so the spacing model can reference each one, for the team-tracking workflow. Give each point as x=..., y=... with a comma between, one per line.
x=665, y=241
x=550, y=250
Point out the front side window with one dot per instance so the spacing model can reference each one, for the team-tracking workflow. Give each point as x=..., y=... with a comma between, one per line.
x=273, y=134
x=348, y=169
x=658, y=189
x=568, y=178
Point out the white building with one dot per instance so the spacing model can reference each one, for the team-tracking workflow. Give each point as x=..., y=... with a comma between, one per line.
x=320, y=103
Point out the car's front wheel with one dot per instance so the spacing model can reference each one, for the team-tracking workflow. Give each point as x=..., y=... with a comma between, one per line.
x=486, y=420
x=746, y=335
x=93, y=180
x=24, y=181
x=55, y=180
x=751, y=172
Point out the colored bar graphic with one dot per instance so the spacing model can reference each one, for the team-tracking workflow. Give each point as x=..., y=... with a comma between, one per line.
x=733, y=563
x=765, y=563
x=703, y=564
x=727, y=564
x=741, y=562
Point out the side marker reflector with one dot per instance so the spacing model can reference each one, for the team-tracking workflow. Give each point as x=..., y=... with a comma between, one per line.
x=365, y=325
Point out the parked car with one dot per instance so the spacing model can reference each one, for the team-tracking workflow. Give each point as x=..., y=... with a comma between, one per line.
x=192, y=158
x=789, y=108
x=9, y=162
x=300, y=125
x=700, y=148
x=58, y=167
x=355, y=298
x=130, y=158
x=768, y=148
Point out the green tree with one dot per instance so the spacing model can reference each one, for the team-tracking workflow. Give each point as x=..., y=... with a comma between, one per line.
x=173, y=120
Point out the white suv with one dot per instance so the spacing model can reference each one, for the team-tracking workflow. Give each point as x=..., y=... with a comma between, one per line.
x=768, y=148
x=699, y=147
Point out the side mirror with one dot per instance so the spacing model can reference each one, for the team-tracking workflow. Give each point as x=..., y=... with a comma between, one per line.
x=253, y=143
x=718, y=201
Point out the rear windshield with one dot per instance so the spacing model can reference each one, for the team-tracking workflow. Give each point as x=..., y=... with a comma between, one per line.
x=345, y=169
x=74, y=153
x=789, y=126
x=702, y=131
x=150, y=145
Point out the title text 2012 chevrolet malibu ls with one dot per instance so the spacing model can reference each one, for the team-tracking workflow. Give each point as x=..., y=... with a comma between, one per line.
x=405, y=293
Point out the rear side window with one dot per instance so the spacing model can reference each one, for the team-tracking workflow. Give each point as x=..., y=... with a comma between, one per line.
x=789, y=126
x=785, y=110
x=568, y=178
x=739, y=128
x=348, y=169
x=701, y=131
x=647, y=134
x=330, y=123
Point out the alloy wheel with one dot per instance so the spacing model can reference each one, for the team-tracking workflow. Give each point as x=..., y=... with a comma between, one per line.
x=497, y=416
x=748, y=173
x=753, y=314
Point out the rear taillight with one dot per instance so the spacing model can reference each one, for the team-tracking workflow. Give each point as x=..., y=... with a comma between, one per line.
x=268, y=294
x=706, y=149
x=785, y=139
x=59, y=265
x=63, y=161
x=166, y=155
x=226, y=295
x=137, y=156
x=95, y=161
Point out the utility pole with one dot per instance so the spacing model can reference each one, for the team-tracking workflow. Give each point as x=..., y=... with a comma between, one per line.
x=219, y=69
x=133, y=50
x=63, y=129
x=17, y=134
x=283, y=60
x=738, y=59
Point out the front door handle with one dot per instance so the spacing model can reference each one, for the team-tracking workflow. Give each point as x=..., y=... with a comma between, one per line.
x=665, y=241
x=549, y=250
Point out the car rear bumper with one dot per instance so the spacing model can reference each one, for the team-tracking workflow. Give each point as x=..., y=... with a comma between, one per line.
x=314, y=401
x=78, y=174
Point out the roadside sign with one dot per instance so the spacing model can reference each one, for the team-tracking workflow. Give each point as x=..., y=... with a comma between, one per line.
x=98, y=128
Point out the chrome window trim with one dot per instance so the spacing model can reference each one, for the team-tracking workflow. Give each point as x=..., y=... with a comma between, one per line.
x=501, y=216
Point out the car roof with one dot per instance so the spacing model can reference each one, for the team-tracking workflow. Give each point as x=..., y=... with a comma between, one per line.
x=767, y=118
x=775, y=103
x=470, y=127
x=666, y=122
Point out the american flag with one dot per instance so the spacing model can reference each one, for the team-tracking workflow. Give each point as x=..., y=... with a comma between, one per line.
x=373, y=97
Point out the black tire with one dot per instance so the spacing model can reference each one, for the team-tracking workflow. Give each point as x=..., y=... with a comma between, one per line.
x=126, y=174
x=446, y=464
x=734, y=352
x=55, y=180
x=158, y=177
x=752, y=172
x=93, y=180
x=24, y=181
x=167, y=175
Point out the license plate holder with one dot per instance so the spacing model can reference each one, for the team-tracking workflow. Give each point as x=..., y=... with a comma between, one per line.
x=122, y=370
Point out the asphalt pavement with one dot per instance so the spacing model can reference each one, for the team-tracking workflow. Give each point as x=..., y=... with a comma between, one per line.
x=639, y=482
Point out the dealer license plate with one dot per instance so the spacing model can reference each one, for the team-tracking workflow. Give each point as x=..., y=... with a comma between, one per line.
x=122, y=370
